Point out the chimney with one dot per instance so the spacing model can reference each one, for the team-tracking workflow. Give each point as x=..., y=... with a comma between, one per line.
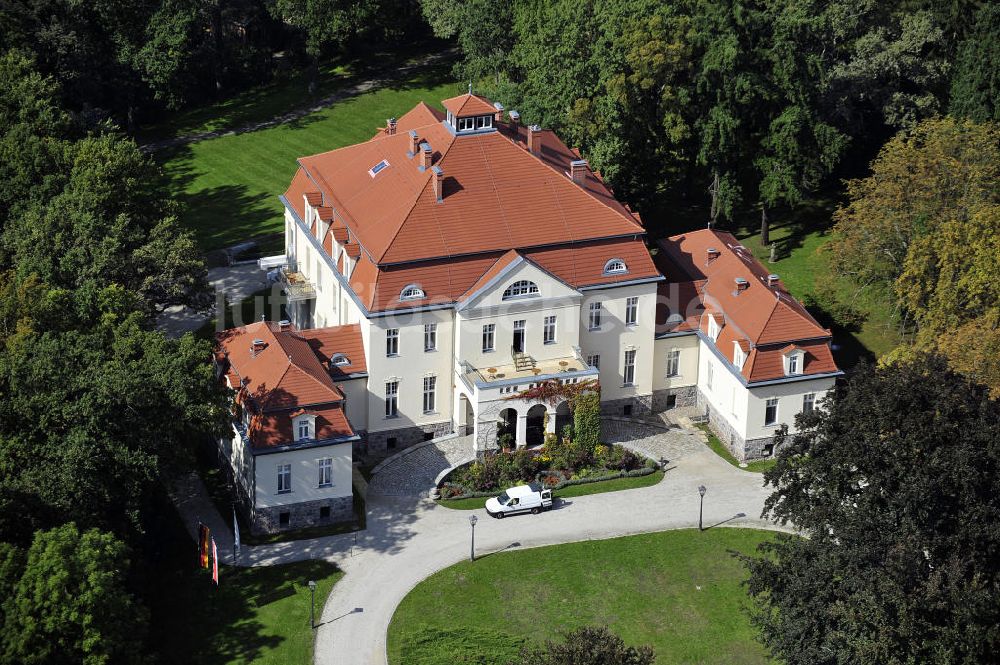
x=711, y=253
x=515, y=119
x=535, y=139
x=498, y=116
x=256, y=347
x=284, y=324
x=578, y=170
x=772, y=280
x=414, y=144
x=741, y=284
x=438, y=183
x=390, y=126
x=425, y=156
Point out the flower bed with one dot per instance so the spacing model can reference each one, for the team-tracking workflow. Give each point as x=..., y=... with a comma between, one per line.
x=556, y=465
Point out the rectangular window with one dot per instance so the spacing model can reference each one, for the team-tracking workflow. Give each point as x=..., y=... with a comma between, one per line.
x=303, y=429
x=808, y=402
x=391, y=399
x=430, y=337
x=284, y=478
x=549, y=330
x=631, y=310
x=595, y=316
x=793, y=364
x=630, y=368
x=771, y=412
x=673, y=362
x=319, y=275
x=392, y=342
x=709, y=374
x=326, y=472
x=430, y=383
x=594, y=361
x=713, y=327
x=489, y=335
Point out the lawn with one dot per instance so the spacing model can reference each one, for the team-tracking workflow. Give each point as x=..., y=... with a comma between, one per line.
x=255, y=615
x=614, y=485
x=760, y=466
x=678, y=591
x=228, y=187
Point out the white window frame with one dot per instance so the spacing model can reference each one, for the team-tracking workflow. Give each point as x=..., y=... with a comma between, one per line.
x=594, y=360
x=794, y=363
x=284, y=478
x=430, y=337
x=324, y=467
x=466, y=124
x=628, y=373
x=808, y=402
x=391, y=342
x=594, y=322
x=713, y=327
x=709, y=374
x=631, y=310
x=673, y=367
x=771, y=407
x=738, y=356
x=391, y=399
x=412, y=292
x=484, y=122
x=615, y=267
x=430, y=394
x=522, y=288
x=339, y=359
x=549, y=330
x=489, y=337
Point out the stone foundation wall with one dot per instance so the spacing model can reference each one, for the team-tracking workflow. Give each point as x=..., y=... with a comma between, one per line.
x=744, y=451
x=302, y=515
x=374, y=446
x=686, y=396
x=642, y=405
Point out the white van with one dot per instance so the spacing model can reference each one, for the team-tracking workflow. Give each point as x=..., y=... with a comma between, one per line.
x=520, y=499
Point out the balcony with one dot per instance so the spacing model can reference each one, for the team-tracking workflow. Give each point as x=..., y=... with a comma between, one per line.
x=296, y=286
x=555, y=368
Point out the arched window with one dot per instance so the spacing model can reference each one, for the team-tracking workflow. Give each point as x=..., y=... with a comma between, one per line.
x=615, y=267
x=521, y=289
x=339, y=359
x=412, y=292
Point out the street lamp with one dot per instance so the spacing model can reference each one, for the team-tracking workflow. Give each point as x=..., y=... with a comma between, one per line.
x=472, y=551
x=312, y=604
x=701, y=505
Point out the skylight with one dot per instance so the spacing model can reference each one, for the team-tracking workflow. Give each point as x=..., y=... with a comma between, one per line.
x=374, y=171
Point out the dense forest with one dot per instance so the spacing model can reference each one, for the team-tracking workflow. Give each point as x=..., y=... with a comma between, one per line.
x=741, y=107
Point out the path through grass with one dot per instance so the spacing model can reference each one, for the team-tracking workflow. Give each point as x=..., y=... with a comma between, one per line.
x=679, y=591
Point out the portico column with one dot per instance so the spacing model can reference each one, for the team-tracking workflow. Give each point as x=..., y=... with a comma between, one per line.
x=521, y=436
x=550, y=426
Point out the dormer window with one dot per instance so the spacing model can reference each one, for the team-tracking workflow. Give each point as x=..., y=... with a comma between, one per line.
x=304, y=426
x=713, y=327
x=739, y=357
x=615, y=267
x=473, y=122
x=412, y=292
x=339, y=360
x=794, y=361
x=521, y=289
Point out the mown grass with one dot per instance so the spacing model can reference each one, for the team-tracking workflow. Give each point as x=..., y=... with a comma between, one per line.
x=759, y=466
x=678, y=591
x=613, y=485
x=228, y=187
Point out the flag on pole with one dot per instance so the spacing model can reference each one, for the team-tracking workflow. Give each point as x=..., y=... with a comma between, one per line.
x=203, y=537
x=236, y=535
x=215, y=563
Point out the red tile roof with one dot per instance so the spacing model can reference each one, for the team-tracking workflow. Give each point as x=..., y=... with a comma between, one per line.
x=346, y=340
x=285, y=373
x=764, y=320
x=468, y=104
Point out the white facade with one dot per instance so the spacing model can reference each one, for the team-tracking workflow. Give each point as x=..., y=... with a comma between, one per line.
x=303, y=467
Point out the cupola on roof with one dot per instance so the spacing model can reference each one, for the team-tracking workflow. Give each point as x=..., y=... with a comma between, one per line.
x=468, y=104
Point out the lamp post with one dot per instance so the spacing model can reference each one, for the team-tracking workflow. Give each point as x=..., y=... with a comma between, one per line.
x=312, y=604
x=472, y=550
x=701, y=504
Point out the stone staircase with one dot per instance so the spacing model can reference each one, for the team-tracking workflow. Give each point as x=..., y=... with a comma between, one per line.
x=522, y=361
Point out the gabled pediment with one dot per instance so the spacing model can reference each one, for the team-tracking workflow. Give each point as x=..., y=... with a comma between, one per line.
x=515, y=279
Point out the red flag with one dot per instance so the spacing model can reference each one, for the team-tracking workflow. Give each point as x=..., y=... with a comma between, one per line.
x=203, y=537
x=215, y=563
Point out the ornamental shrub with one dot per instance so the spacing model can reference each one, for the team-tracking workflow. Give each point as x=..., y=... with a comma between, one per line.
x=587, y=420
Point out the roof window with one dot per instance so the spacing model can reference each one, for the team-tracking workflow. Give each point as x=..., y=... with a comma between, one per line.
x=381, y=166
x=521, y=289
x=339, y=360
x=412, y=292
x=615, y=267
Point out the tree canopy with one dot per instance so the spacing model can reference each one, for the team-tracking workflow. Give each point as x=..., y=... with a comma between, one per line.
x=895, y=485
